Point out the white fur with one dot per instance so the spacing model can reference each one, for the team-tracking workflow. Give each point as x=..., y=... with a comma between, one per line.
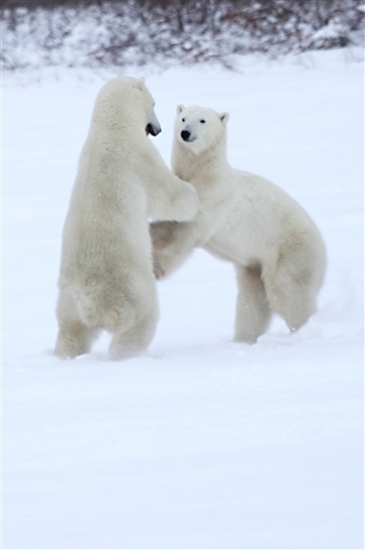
x=277, y=251
x=106, y=279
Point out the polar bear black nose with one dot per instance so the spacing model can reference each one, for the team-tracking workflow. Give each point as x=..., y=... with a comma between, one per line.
x=185, y=135
x=152, y=129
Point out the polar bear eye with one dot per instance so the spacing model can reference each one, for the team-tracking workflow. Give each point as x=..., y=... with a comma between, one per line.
x=202, y=121
x=183, y=119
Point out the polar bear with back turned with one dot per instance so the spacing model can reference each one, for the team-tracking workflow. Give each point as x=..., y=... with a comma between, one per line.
x=276, y=249
x=106, y=278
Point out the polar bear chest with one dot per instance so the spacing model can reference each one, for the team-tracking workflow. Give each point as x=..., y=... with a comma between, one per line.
x=240, y=230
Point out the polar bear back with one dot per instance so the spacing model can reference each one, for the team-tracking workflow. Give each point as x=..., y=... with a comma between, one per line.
x=260, y=222
x=111, y=175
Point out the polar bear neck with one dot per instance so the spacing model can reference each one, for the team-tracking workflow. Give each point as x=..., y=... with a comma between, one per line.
x=197, y=167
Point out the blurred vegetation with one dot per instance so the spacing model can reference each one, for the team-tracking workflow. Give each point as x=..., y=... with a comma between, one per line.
x=120, y=32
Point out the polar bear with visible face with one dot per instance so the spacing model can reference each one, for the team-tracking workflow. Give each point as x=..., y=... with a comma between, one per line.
x=276, y=249
x=106, y=278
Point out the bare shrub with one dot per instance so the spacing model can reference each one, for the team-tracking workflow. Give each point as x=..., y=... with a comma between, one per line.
x=122, y=32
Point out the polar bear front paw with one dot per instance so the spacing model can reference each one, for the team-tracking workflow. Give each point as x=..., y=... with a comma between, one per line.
x=158, y=272
x=162, y=234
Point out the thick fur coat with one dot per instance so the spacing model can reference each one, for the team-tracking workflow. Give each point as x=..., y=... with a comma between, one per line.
x=106, y=279
x=276, y=249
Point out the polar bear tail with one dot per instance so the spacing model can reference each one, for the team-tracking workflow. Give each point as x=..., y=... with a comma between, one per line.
x=97, y=311
x=86, y=306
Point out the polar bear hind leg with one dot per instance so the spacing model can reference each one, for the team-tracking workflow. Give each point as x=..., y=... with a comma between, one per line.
x=253, y=313
x=292, y=286
x=134, y=340
x=74, y=337
x=131, y=320
x=292, y=299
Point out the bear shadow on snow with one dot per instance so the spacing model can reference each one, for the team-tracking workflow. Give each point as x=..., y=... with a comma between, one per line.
x=276, y=249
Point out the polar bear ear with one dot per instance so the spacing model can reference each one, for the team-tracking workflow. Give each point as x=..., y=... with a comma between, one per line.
x=224, y=117
x=179, y=109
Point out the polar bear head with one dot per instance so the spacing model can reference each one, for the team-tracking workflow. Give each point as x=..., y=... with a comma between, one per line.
x=126, y=102
x=199, y=128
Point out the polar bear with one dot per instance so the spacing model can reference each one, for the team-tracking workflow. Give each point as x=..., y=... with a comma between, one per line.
x=276, y=249
x=106, y=278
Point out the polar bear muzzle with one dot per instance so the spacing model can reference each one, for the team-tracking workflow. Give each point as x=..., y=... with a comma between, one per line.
x=153, y=126
x=152, y=129
x=186, y=136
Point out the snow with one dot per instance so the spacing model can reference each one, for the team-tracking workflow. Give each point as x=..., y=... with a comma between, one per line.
x=204, y=443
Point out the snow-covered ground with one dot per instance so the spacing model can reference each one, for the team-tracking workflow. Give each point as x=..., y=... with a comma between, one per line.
x=205, y=443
